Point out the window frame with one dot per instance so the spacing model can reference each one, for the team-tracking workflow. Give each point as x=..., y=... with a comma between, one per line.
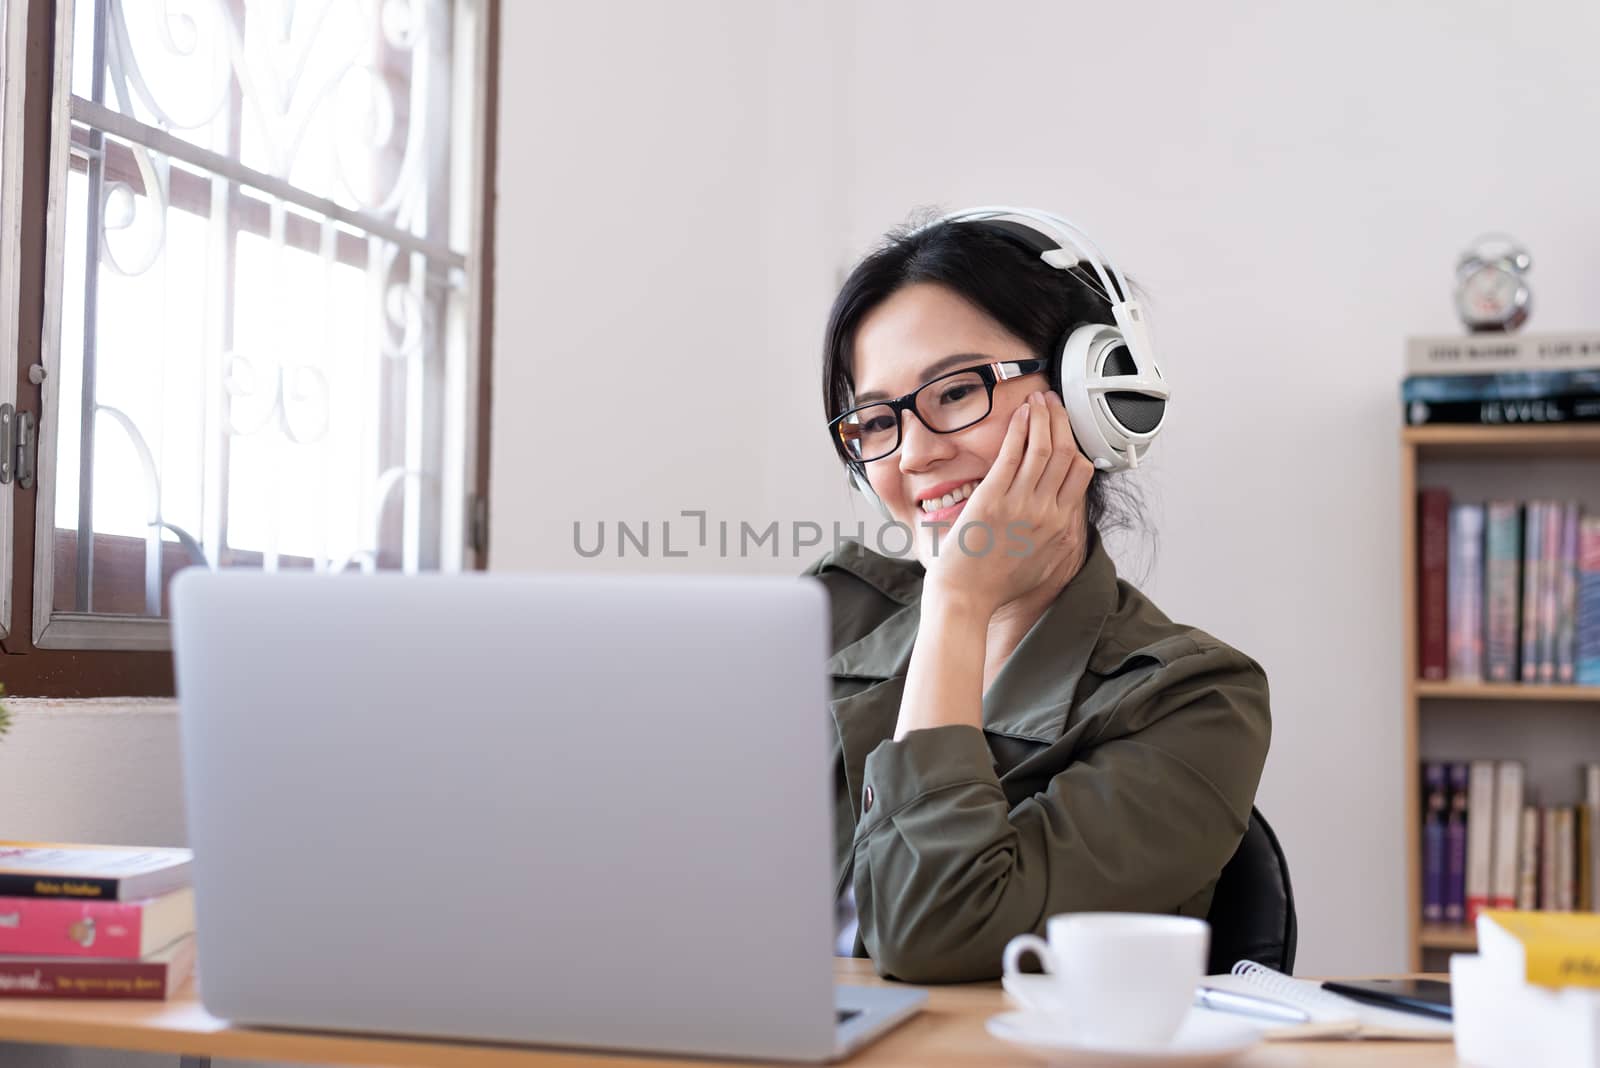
x=50, y=653
x=13, y=41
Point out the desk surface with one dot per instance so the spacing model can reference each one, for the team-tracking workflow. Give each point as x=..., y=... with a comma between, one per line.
x=949, y=1032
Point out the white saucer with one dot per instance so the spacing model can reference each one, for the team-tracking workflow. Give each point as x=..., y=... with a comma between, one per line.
x=1205, y=1038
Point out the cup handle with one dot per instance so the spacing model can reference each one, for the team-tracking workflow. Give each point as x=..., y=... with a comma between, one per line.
x=1022, y=944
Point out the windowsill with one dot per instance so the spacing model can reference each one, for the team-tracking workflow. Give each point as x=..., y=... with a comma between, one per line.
x=26, y=707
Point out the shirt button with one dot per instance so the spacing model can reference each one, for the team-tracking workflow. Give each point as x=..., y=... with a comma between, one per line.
x=866, y=799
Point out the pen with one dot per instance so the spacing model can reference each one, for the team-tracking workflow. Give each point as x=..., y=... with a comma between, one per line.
x=1245, y=1005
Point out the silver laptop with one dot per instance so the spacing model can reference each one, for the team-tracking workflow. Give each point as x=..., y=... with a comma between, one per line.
x=557, y=810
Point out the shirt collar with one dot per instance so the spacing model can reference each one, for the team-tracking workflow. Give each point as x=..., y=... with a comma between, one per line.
x=1033, y=693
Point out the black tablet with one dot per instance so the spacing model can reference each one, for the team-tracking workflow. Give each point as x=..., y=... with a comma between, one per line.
x=1427, y=997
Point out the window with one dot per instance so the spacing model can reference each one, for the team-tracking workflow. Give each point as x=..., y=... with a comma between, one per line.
x=262, y=319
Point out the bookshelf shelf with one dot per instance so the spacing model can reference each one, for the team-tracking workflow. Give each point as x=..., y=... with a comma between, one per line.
x=1515, y=691
x=1439, y=936
x=1437, y=442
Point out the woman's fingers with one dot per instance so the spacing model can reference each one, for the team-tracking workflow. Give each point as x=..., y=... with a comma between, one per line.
x=1004, y=469
x=1055, y=472
x=1076, y=485
x=1037, y=455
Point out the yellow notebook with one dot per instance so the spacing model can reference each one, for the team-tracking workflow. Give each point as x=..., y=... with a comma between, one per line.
x=1546, y=948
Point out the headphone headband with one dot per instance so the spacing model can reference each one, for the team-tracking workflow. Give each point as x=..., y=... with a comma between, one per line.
x=1073, y=246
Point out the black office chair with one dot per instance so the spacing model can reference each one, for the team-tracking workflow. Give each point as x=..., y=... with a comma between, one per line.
x=1252, y=912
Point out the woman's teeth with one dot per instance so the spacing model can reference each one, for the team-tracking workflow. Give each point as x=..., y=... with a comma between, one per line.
x=960, y=493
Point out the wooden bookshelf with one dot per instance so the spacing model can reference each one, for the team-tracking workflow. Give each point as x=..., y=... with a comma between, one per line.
x=1480, y=706
x=1439, y=936
x=1504, y=691
x=1573, y=439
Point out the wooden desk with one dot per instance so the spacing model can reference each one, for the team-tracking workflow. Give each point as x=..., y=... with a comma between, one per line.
x=949, y=1032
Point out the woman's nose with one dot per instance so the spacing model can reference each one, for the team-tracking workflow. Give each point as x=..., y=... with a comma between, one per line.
x=920, y=446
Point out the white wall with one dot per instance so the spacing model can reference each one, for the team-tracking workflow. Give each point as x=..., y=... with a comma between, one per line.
x=667, y=196
x=1293, y=183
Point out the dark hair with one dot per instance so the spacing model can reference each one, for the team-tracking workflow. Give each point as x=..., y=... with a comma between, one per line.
x=1038, y=304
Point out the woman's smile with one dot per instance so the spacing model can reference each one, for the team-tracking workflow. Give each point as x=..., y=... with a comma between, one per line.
x=945, y=501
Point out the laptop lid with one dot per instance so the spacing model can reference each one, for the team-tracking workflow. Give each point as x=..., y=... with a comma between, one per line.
x=566, y=810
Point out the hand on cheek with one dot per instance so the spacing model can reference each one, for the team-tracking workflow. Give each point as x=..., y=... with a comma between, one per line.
x=1024, y=525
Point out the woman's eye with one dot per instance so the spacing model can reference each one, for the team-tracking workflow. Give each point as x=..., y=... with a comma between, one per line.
x=955, y=394
x=877, y=425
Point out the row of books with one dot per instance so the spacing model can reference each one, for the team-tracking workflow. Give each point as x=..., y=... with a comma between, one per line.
x=1485, y=844
x=1508, y=591
x=1502, y=381
x=81, y=921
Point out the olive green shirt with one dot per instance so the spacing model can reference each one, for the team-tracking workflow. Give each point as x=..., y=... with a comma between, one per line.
x=1116, y=769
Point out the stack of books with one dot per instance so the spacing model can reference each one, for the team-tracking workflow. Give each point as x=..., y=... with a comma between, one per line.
x=1508, y=591
x=87, y=921
x=1502, y=379
x=1486, y=844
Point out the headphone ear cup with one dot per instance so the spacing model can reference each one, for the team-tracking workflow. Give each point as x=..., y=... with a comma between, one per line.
x=1116, y=402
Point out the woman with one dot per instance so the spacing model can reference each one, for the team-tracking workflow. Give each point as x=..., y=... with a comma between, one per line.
x=1020, y=733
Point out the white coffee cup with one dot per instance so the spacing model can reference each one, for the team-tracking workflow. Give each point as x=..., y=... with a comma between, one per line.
x=1116, y=979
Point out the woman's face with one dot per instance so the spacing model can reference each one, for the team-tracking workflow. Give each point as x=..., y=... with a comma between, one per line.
x=923, y=331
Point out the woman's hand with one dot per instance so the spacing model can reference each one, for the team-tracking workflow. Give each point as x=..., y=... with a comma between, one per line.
x=1032, y=504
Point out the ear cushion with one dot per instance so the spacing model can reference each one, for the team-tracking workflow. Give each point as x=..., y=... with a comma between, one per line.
x=1114, y=426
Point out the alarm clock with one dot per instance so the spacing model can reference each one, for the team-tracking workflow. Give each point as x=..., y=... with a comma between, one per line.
x=1491, y=292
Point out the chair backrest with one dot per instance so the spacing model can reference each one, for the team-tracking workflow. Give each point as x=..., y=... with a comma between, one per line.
x=1252, y=911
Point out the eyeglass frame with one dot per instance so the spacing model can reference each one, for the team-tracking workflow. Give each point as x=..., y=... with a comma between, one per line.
x=992, y=375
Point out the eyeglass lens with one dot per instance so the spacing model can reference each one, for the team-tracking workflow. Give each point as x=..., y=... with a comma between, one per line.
x=945, y=405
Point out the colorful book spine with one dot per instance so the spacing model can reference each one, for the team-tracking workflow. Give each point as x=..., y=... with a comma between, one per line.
x=1550, y=578
x=1588, y=629
x=1537, y=411
x=1435, y=815
x=1503, y=574
x=1566, y=861
x=1480, y=837
x=1528, y=862
x=1532, y=544
x=1583, y=887
x=65, y=928
x=1492, y=354
x=1507, y=825
x=1466, y=592
x=91, y=872
x=1455, y=847
x=1567, y=597
x=153, y=979
x=1511, y=385
x=1432, y=596
x=1549, y=850
x=1591, y=793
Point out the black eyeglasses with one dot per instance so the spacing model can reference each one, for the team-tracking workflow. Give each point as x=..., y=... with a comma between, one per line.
x=945, y=405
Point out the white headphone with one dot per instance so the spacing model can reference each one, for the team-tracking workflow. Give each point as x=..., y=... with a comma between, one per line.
x=1109, y=380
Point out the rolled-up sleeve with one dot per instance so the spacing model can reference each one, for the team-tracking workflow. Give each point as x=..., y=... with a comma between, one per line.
x=1142, y=819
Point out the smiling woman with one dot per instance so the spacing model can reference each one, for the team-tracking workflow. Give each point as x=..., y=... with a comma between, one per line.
x=1020, y=733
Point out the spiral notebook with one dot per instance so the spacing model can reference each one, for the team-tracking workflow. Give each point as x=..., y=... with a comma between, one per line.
x=1331, y=1014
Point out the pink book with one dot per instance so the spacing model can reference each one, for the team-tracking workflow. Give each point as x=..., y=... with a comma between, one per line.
x=116, y=930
